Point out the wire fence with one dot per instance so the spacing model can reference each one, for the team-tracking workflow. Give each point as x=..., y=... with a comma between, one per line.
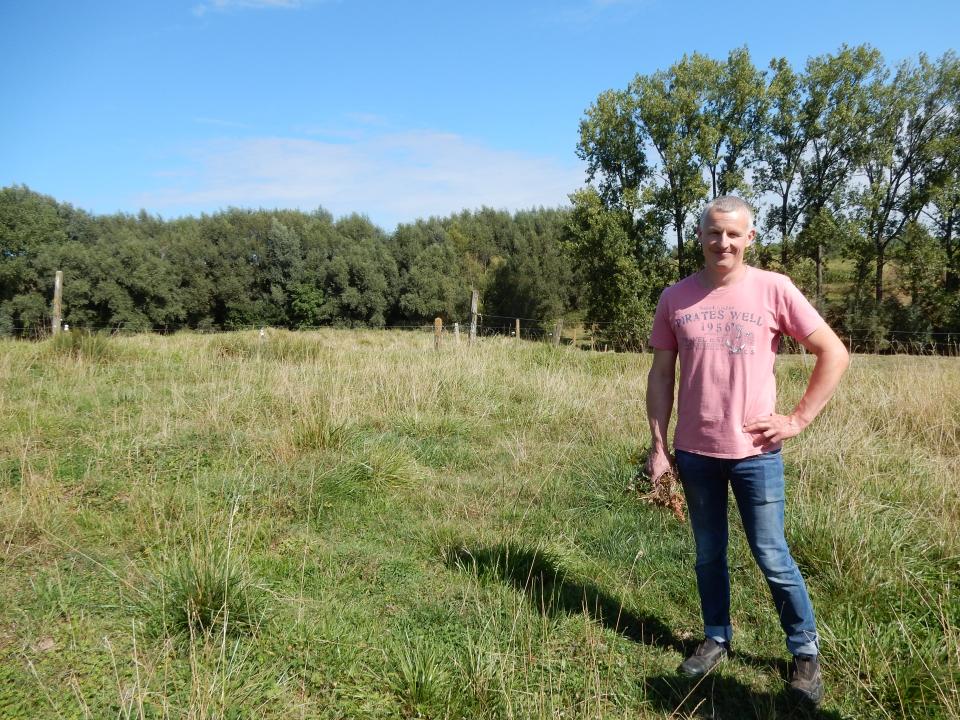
x=600, y=335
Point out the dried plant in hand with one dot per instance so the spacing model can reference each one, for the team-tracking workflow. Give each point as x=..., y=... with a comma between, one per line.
x=663, y=491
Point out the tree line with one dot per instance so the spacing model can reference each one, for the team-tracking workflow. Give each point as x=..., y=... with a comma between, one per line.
x=853, y=166
x=240, y=268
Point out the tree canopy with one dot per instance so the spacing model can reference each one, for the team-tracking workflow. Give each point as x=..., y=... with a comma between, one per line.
x=242, y=268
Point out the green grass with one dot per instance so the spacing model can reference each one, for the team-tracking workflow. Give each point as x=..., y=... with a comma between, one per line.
x=348, y=524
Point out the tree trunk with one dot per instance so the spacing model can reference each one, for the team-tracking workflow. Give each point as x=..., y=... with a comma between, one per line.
x=952, y=281
x=878, y=278
x=783, y=232
x=678, y=224
x=819, y=298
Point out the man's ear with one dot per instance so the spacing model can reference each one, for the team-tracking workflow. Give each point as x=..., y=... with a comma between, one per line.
x=751, y=236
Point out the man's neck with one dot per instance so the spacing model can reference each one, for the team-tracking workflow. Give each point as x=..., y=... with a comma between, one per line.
x=713, y=280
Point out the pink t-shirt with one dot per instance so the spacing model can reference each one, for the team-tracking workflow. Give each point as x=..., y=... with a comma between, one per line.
x=727, y=342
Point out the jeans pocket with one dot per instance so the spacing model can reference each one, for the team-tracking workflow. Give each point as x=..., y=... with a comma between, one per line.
x=773, y=488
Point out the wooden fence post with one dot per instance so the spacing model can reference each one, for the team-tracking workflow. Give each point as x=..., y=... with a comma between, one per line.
x=57, y=302
x=456, y=332
x=517, y=326
x=593, y=336
x=474, y=300
x=557, y=331
x=437, y=329
x=574, y=342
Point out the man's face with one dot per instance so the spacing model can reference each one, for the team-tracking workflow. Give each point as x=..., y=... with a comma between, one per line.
x=724, y=237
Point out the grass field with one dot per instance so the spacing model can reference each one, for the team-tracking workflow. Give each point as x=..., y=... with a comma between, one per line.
x=352, y=525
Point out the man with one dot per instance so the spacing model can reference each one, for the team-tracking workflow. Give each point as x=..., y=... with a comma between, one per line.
x=724, y=323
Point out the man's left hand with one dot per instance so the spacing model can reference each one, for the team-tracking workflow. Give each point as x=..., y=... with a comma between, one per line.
x=774, y=428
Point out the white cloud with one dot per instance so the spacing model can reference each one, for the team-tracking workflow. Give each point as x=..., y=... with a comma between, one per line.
x=392, y=177
x=221, y=5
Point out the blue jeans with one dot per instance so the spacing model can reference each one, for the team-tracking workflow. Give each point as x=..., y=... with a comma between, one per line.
x=758, y=487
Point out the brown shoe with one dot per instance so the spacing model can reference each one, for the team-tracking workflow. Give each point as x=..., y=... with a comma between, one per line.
x=704, y=658
x=805, y=679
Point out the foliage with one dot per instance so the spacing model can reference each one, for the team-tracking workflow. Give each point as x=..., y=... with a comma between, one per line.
x=240, y=268
x=538, y=279
x=612, y=143
x=669, y=103
x=921, y=264
x=909, y=116
x=626, y=273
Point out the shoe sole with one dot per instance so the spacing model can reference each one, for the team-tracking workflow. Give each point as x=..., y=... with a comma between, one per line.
x=700, y=673
x=813, y=698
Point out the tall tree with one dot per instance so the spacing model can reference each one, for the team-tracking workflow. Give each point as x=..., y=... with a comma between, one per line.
x=815, y=128
x=781, y=150
x=900, y=164
x=835, y=117
x=732, y=121
x=625, y=270
x=669, y=103
x=943, y=210
x=612, y=143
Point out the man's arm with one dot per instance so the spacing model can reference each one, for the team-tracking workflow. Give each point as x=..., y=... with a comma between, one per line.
x=660, y=382
x=832, y=362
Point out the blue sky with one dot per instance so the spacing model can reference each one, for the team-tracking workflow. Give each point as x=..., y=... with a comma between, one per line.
x=398, y=110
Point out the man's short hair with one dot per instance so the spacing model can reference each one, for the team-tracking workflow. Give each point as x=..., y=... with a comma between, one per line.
x=727, y=204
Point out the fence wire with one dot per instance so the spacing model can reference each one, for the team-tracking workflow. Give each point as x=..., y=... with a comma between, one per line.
x=593, y=335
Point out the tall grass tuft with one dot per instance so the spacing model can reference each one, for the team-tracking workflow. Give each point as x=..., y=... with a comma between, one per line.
x=201, y=591
x=482, y=676
x=417, y=675
x=378, y=466
x=319, y=430
x=81, y=345
x=277, y=345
